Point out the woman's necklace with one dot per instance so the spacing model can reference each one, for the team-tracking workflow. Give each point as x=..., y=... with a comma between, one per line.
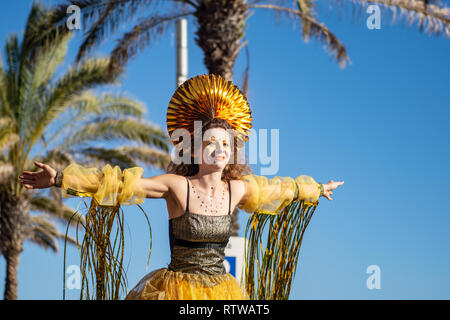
x=209, y=207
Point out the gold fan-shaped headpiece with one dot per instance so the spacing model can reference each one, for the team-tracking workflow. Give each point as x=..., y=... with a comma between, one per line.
x=205, y=97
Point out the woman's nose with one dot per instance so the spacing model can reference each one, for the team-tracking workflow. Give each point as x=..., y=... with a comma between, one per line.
x=219, y=149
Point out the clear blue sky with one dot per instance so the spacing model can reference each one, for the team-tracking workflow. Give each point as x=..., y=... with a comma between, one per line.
x=381, y=125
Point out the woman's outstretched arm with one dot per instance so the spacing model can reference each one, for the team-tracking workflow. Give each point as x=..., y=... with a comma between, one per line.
x=265, y=195
x=82, y=181
x=159, y=186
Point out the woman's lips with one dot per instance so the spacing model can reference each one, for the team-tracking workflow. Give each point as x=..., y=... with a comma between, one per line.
x=220, y=158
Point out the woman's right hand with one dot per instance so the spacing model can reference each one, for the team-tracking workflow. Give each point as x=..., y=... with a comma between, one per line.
x=39, y=180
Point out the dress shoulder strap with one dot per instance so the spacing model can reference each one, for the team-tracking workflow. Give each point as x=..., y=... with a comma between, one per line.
x=229, y=197
x=187, y=197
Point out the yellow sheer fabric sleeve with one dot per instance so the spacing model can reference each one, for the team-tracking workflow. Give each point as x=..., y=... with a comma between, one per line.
x=108, y=187
x=270, y=196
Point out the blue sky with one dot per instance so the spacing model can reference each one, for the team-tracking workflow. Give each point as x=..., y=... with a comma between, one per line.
x=381, y=125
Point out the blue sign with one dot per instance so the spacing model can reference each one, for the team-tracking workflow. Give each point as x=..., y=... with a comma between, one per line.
x=231, y=261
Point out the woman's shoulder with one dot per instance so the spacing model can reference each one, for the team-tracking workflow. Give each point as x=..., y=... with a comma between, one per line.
x=175, y=179
x=237, y=187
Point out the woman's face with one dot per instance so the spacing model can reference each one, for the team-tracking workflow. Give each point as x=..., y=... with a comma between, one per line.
x=216, y=148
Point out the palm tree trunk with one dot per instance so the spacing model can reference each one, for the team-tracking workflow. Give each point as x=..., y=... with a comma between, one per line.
x=14, y=229
x=11, y=283
x=220, y=31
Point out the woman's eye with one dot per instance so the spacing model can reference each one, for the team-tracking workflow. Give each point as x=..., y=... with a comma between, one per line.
x=226, y=144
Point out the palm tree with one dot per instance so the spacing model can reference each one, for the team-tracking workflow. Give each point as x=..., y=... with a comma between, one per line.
x=55, y=117
x=221, y=26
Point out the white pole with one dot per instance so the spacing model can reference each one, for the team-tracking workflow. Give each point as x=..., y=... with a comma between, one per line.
x=182, y=51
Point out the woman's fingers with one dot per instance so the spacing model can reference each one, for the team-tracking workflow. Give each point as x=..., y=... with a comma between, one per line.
x=39, y=164
x=27, y=183
x=334, y=185
x=32, y=185
x=27, y=177
x=29, y=173
x=33, y=176
x=43, y=166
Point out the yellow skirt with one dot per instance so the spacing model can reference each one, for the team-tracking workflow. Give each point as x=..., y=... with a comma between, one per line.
x=164, y=284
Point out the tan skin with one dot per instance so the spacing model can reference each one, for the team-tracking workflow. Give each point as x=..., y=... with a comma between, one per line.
x=216, y=153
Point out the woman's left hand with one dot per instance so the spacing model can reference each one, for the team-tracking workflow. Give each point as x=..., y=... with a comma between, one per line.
x=329, y=187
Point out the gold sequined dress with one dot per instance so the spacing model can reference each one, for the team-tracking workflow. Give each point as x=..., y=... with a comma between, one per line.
x=196, y=270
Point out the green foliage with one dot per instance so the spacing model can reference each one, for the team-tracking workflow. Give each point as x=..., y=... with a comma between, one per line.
x=46, y=109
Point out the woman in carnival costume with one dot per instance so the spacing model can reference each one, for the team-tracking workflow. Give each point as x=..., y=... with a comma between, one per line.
x=201, y=190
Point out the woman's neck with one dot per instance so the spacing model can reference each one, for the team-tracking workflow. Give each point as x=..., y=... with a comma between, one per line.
x=206, y=180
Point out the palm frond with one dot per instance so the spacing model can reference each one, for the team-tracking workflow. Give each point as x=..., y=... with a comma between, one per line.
x=7, y=139
x=150, y=156
x=141, y=36
x=87, y=104
x=45, y=234
x=6, y=172
x=58, y=158
x=126, y=157
x=128, y=129
x=8, y=136
x=308, y=8
x=4, y=104
x=89, y=8
x=37, y=22
x=90, y=74
x=25, y=82
x=38, y=73
x=433, y=17
x=108, y=104
x=12, y=71
x=108, y=21
x=112, y=156
x=315, y=29
x=55, y=209
x=48, y=60
x=1, y=64
x=12, y=56
x=25, y=64
x=105, y=24
x=99, y=18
